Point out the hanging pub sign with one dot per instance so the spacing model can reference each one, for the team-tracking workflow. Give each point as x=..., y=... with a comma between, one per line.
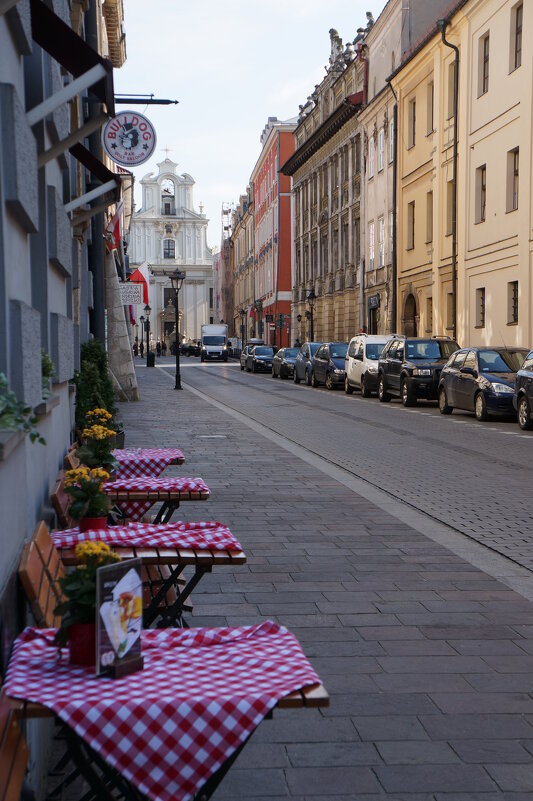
x=129, y=138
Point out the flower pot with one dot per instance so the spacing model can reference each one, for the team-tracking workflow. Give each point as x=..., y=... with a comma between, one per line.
x=82, y=644
x=120, y=437
x=97, y=523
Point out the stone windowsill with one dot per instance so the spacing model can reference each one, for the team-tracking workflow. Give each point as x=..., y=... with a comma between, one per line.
x=46, y=405
x=9, y=440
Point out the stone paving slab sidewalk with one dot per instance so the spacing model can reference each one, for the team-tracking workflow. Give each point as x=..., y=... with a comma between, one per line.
x=428, y=660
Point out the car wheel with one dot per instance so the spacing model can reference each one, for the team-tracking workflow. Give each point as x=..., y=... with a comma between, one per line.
x=365, y=392
x=347, y=388
x=524, y=414
x=314, y=382
x=295, y=377
x=407, y=394
x=308, y=377
x=383, y=395
x=444, y=408
x=480, y=408
x=329, y=382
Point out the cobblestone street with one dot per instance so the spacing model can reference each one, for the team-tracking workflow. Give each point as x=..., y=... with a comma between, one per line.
x=427, y=659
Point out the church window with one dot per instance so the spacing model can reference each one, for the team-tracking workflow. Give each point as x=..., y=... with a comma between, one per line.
x=169, y=249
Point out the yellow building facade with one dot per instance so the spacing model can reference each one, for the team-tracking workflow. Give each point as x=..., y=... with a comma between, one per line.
x=492, y=301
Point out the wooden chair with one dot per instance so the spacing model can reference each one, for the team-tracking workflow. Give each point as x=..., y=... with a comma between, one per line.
x=61, y=502
x=39, y=570
x=71, y=461
x=13, y=753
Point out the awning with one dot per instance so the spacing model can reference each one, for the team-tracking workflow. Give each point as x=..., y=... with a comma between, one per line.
x=89, y=69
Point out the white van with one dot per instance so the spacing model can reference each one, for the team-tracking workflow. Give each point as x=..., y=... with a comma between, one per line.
x=361, y=363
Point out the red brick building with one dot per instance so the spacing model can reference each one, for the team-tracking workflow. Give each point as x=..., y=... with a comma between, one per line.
x=272, y=234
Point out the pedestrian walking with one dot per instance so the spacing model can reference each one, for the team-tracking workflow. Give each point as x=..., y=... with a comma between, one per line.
x=164, y=348
x=135, y=349
x=158, y=348
x=141, y=348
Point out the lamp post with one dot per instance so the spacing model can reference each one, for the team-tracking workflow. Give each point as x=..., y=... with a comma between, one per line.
x=147, y=311
x=177, y=278
x=242, y=312
x=311, y=300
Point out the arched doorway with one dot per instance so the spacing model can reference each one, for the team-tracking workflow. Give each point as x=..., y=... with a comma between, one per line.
x=410, y=327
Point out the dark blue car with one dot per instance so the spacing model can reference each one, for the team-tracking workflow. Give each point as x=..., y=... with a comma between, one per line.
x=523, y=394
x=327, y=365
x=302, y=363
x=480, y=380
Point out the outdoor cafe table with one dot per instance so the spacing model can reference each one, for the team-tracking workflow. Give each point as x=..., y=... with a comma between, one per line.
x=135, y=495
x=200, y=545
x=178, y=723
x=134, y=462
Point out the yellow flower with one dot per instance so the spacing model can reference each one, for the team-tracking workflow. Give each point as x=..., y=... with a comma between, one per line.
x=98, y=550
x=103, y=414
x=77, y=475
x=97, y=432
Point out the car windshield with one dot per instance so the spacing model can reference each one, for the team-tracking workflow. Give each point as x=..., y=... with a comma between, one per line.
x=290, y=352
x=501, y=361
x=214, y=340
x=373, y=350
x=314, y=346
x=338, y=350
x=264, y=352
x=430, y=349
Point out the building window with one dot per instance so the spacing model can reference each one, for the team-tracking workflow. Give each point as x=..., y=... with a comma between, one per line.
x=371, y=234
x=411, y=225
x=210, y=297
x=449, y=207
x=357, y=153
x=345, y=244
x=429, y=315
x=411, y=122
x=512, y=179
x=391, y=233
x=517, y=15
x=169, y=249
x=371, y=153
x=430, y=102
x=429, y=217
x=381, y=242
x=381, y=148
x=449, y=311
x=483, y=65
x=357, y=239
x=512, y=302
x=391, y=141
x=451, y=84
x=481, y=193
x=480, y=307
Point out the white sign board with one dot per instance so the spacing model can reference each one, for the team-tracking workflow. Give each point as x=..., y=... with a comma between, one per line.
x=131, y=294
x=129, y=138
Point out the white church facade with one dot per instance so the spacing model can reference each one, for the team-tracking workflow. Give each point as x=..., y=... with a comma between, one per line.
x=167, y=234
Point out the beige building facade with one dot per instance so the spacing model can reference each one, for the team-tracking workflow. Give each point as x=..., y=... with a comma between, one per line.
x=243, y=265
x=491, y=304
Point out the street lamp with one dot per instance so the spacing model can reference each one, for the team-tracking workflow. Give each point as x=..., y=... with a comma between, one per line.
x=242, y=312
x=311, y=301
x=177, y=278
x=147, y=311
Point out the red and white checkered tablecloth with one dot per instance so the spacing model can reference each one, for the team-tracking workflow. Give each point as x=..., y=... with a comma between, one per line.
x=208, y=535
x=133, y=462
x=136, y=509
x=169, y=727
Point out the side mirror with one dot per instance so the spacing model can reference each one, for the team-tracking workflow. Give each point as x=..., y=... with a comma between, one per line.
x=469, y=371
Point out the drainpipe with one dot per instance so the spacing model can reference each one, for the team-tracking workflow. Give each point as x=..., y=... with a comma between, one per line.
x=277, y=256
x=441, y=24
x=394, y=254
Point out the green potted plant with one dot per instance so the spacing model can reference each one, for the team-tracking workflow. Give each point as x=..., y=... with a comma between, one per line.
x=78, y=607
x=15, y=415
x=90, y=504
x=47, y=371
x=98, y=442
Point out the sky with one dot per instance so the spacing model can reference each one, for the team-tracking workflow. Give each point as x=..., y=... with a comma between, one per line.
x=231, y=65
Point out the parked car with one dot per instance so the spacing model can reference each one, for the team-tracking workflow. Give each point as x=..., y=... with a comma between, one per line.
x=244, y=355
x=480, y=380
x=361, y=365
x=409, y=367
x=523, y=393
x=260, y=358
x=302, y=363
x=327, y=365
x=283, y=362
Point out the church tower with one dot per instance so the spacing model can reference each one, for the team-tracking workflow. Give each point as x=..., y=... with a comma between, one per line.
x=168, y=234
